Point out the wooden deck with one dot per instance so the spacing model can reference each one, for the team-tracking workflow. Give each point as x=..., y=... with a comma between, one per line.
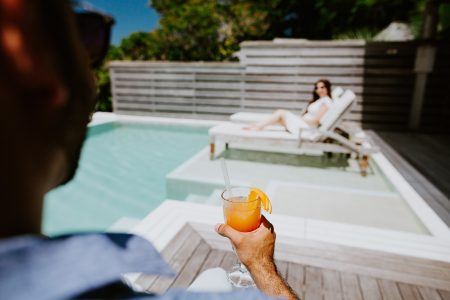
x=315, y=270
x=428, y=153
x=423, y=160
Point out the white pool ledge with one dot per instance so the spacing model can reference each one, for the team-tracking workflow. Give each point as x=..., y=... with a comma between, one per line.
x=161, y=225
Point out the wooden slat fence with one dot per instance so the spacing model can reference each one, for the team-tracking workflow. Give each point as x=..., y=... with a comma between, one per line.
x=380, y=74
x=195, y=90
x=279, y=74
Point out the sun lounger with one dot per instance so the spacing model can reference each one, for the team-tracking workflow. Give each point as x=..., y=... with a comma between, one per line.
x=322, y=139
x=251, y=117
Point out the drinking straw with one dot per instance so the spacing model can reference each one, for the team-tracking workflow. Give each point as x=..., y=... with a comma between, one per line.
x=225, y=173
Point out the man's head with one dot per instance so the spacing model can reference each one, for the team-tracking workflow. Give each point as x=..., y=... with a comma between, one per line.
x=46, y=92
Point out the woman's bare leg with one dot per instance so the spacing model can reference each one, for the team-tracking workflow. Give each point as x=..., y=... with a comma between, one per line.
x=278, y=117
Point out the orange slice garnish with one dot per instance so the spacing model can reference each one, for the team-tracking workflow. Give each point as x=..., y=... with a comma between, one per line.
x=256, y=193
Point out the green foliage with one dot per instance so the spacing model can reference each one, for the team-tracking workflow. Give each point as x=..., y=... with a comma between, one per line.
x=190, y=31
x=444, y=24
x=416, y=18
x=360, y=34
x=104, y=98
x=324, y=19
x=136, y=46
x=211, y=30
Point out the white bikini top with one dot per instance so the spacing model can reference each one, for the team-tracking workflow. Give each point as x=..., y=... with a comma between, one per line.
x=314, y=107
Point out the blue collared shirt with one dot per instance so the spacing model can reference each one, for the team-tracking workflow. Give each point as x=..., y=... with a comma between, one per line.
x=86, y=266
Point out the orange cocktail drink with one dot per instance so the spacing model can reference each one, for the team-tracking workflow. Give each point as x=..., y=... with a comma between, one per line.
x=242, y=211
x=241, y=214
x=242, y=207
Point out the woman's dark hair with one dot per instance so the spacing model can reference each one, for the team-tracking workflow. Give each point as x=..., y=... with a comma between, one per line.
x=315, y=96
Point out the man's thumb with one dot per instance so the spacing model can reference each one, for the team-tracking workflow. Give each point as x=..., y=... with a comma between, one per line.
x=227, y=231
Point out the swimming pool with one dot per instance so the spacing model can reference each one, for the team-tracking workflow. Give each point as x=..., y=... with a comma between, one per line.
x=128, y=167
x=121, y=174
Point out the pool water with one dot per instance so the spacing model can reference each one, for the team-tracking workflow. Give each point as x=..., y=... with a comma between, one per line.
x=303, y=186
x=121, y=174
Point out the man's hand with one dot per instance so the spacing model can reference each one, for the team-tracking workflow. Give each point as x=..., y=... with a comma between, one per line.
x=255, y=250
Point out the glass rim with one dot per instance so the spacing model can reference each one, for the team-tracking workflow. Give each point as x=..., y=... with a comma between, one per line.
x=235, y=187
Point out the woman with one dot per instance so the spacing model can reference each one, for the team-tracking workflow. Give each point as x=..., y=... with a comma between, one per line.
x=315, y=110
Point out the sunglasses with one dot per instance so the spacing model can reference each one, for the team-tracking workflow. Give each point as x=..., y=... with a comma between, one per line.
x=94, y=29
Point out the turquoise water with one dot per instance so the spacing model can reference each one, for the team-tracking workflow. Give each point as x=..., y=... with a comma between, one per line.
x=121, y=174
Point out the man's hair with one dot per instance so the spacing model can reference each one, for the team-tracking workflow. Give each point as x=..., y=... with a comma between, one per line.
x=50, y=38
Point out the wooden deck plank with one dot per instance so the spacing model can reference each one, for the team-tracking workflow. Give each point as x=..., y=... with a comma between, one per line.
x=369, y=288
x=331, y=285
x=185, y=234
x=282, y=268
x=145, y=281
x=438, y=142
x=213, y=260
x=350, y=287
x=389, y=290
x=371, y=263
x=445, y=295
x=360, y=256
x=429, y=293
x=296, y=278
x=417, y=149
x=192, y=267
x=181, y=257
x=229, y=260
x=409, y=291
x=313, y=283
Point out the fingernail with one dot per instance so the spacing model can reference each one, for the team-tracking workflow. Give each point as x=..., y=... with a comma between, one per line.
x=216, y=227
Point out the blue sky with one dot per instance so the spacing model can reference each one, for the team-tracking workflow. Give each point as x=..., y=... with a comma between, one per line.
x=130, y=16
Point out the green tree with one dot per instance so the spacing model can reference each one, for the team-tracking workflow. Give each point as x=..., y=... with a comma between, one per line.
x=104, y=98
x=211, y=30
x=189, y=30
x=137, y=46
x=444, y=21
x=324, y=19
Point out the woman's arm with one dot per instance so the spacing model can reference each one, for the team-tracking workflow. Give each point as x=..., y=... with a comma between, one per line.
x=315, y=122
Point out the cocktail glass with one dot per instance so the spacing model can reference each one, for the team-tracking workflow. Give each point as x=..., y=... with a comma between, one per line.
x=245, y=216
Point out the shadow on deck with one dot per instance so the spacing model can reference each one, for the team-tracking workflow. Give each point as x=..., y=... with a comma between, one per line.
x=424, y=161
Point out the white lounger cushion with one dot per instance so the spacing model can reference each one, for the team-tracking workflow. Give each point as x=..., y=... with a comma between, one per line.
x=250, y=117
x=337, y=92
x=339, y=107
x=232, y=132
